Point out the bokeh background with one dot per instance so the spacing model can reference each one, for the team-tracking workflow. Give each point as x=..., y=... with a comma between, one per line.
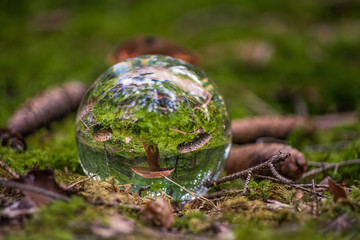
x=267, y=57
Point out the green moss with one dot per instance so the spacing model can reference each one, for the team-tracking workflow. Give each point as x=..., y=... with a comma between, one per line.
x=193, y=221
x=60, y=220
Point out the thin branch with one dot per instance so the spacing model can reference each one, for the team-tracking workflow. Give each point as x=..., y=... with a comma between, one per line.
x=9, y=170
x=246, y=184
x=290, y=184
x=327, y=166
x=277, y=175
x=310, y=185
x=220, y=194
x=190, y=192
x=276, y=158
x=316, y=199
x=81, y=181
x=199, y=130
x=316, y=164
x=29, y=188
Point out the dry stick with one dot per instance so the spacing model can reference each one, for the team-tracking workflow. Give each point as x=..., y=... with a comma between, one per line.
x=316, y=164
x=81, y=181
x=294, y=185
x=223, y=193
x=310, y=185
x=277, y=175
x=316, y=199
x=319, y=186
x=274, y=159
x=9, y=170
x=329, y=166
x=246, y=184
x=190, y=192
x=34, y=189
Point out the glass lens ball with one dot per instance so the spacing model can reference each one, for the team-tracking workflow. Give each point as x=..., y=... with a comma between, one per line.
x=153, y=118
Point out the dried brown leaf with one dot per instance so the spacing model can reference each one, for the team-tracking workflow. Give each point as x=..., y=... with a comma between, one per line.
x=148, y=173
x=337, y=191
x=43, y=180
x=250, y=155
x=150, y=45
x=159, y=212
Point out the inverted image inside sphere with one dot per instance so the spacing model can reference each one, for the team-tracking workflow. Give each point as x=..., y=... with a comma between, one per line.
x=152, y=117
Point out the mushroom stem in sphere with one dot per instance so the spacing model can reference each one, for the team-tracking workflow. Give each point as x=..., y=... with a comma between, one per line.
x=152, y=156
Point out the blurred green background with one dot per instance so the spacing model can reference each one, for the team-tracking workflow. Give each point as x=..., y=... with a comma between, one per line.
x=267, y=57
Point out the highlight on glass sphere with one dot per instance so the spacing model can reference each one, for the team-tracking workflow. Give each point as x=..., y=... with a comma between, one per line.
x=152, y=117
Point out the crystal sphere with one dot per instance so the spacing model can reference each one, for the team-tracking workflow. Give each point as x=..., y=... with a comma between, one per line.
x=150, y=119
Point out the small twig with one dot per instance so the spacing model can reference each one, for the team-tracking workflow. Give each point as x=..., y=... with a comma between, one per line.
x=290, y=184
x=143, y=188
x=316, y=199
x=199, y=130
x=9, y=170
x=310, y=185
x=224, y=193
x=127, y=187
x=246, y=184
x=316, y=164
x=329, y=166
x=34, y=189
x=81, y=181
x=276, y=158
x=204, y=104
x=190, y=192
x=313, y=185
x=319, y=186
x=277, y=175
x=336, y=168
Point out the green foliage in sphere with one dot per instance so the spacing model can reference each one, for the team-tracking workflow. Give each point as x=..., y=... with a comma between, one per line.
x=151, y=116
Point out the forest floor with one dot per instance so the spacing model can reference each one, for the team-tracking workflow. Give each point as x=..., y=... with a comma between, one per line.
x=266, y=57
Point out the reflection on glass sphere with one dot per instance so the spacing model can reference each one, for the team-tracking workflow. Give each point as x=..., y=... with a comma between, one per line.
x=150, y=117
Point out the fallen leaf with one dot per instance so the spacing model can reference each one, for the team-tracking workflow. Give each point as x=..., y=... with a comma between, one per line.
x=337, y=191
x=148, y=173
x=159, y=212
x=42, y=180
x=325, y=181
